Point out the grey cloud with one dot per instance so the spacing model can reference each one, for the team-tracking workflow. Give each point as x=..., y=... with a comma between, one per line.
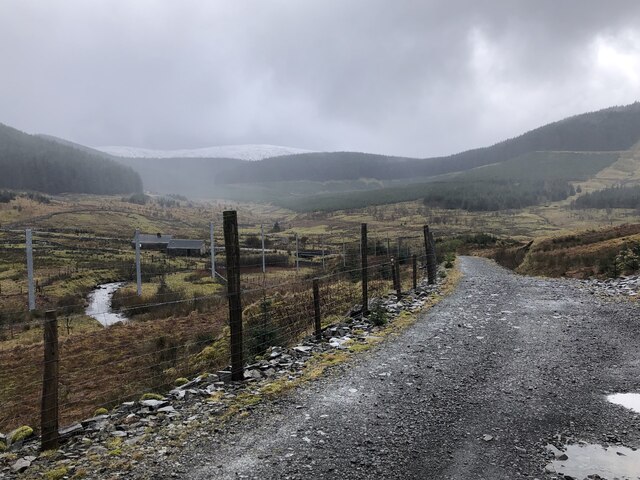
x=410, y=77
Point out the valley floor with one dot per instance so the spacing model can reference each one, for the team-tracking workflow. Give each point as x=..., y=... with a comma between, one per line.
x=476, y=389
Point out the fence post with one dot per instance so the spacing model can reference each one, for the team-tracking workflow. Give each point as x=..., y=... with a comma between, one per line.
x=297, y=255
x=264, y=265
x=432, y=267
x=232, y=251
x=316, y=309
x=344, y=254
x=32, y=294
x=213, y=251
x=396, y=278
x=414, y=264
x=138, y=269
x=49, y=406
x=433, y=249
x=364, y=267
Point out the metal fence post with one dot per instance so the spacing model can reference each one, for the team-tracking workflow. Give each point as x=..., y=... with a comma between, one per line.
x=138, y=268
x=232, y=250
x=30, y=286
x=316, y=310
x=49, y=406
x=213, y=251
x=297, y=254
x=364, y=267
x=264, y=265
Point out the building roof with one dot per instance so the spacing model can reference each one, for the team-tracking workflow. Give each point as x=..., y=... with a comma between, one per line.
x=185, y=244
x=154, y=238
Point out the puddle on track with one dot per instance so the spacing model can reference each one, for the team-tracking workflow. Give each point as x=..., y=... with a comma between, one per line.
x=609, y=463
x=100, y=304
x=627, y=400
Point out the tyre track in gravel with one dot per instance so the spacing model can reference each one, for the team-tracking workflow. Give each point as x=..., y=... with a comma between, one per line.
x=474, y=390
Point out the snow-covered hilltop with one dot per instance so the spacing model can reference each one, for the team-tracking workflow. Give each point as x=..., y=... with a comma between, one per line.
x=242, y=152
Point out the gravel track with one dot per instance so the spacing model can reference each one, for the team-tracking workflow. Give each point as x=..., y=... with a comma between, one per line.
x=474, y=390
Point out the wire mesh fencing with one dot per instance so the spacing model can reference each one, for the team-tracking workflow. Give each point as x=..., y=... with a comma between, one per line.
x=115, y=345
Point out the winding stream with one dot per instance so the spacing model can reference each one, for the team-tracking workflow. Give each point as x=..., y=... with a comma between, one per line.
x=100, y=304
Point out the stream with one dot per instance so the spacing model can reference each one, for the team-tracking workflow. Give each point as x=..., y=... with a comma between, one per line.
x=100, y=304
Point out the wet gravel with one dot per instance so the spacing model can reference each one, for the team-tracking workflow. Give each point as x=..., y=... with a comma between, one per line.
x=476, y=389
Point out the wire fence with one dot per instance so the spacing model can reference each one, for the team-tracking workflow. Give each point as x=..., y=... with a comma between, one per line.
x=121, y=345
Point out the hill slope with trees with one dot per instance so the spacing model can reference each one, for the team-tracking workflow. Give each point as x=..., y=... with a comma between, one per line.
x=31, y=162
x=608, y=130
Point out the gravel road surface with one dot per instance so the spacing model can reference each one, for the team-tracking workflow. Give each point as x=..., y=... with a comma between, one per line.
x=474, y=390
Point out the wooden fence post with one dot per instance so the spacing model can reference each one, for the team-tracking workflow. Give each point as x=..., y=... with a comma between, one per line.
x=232, y=251
x=316, y=309
x=365, y=271
x=49, y=406
x=414, y=264
x=396, y=280
x=430, y=251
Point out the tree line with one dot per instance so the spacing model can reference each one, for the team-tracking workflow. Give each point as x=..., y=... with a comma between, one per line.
x=613, y=197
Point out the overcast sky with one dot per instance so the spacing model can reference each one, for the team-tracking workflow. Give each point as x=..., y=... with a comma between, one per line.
x=417, y=78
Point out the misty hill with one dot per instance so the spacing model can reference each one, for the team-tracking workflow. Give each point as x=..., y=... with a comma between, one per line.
x=193, y=177
x=240, y=152
x=32, y=162
x=611, y=129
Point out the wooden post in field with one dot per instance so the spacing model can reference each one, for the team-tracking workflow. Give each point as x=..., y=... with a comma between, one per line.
x=414, y=264
x=433, y=248
x=396, y=279
x=232, y=250
x=364, y=267
x=316, y=310
x=430, y=251
x=49, y=406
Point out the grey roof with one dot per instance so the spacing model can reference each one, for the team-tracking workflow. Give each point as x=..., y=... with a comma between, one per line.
x=185, y=244
x=154, y=238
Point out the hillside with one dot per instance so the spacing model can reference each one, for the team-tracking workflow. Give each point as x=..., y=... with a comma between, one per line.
x=606, y=252
x=31, y=162
x=611, y=129
x=526, y=180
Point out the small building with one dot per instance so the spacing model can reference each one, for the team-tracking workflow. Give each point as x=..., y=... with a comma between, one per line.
x=182, y=247
x=311, y=253
x=156, y=241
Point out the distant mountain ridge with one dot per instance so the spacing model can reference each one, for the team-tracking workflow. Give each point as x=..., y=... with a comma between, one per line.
x=611, y=129
x=240, y=152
